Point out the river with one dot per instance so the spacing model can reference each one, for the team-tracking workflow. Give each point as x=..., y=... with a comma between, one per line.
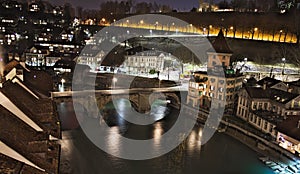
x=222, y=154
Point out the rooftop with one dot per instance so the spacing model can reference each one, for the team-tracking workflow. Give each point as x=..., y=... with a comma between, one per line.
x=268, y=81
x=289, y=127
x=220, y=73
x=271, y=117
x=41, y=111
x=270, y=93
x=220, y=44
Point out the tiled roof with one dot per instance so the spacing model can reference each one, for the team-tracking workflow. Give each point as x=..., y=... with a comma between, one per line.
x=65, y=64
x=22, y=138
x=295, y=83
x=270, y=93
x=289, y=127
x=269, y=81
x=25, y=140
x=136, y=49
x=269, y=116
x=220, y=44
x=41, y=111
x=12, y=64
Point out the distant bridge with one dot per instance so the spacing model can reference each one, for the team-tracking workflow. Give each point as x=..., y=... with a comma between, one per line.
x=140, y=98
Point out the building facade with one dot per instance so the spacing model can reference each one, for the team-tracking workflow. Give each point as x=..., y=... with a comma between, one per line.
x=219, y=83
x=145, y=61
x=265, y=108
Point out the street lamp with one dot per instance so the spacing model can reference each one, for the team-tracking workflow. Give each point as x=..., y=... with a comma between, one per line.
x=62, y=84
x=114, y=82
x=280, y=33
x=283, y=60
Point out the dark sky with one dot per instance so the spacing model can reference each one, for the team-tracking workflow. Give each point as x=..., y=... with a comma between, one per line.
x=183, y=5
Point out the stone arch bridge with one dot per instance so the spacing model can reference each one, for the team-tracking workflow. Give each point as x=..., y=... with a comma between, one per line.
x=140, y=98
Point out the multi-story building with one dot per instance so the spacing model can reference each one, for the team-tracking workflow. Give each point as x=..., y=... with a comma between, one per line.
x=288, y=136
x=93, y=57
x=265, y=107
x=35, y=56
x=274, y=110
x=143, y=62
x=219, y=83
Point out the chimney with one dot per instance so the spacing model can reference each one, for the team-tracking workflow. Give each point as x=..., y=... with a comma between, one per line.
x=265, y=86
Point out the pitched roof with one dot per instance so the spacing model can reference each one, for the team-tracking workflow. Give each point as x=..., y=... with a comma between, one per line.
x=270, y=93
x=269, y=81
x=289, y=127
x=271, y=117
x=220, y=44
x=41, y=111
x=295, y=83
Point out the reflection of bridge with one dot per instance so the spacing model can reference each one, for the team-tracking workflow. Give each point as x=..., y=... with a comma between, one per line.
x=140, y=98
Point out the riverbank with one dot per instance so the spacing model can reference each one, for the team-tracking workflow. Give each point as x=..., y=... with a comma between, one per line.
x=263, y=147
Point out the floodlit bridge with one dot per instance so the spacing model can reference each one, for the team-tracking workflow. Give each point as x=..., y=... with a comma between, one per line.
x=140, y=98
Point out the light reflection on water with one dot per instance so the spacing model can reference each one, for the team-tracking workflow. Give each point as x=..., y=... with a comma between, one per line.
x=222, y=154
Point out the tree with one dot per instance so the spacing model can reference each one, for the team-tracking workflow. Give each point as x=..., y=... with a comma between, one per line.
x=223, y=4
x=152, y=71
x=143, y=7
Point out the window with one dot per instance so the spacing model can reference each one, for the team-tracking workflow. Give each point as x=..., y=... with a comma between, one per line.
x=224, y=57
x=220, y=97
x=254, y=105
x=259, y=105
x=266, y=125
x=259, y=121
x=270, y=129
x=212, y=80
x=251, y=117
x=221, y=89
x=212, y=88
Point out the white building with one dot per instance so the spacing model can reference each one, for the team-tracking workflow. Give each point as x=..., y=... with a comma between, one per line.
x=143, y=62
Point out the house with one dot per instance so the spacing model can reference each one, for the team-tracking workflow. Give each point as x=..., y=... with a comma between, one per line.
x=219, y=83
x=29, y=126
x=294, y=86
x=35, y=56
x=91, y=57
x=265, y=108
x=273, y=83
x=143, y=62
x=288, y=136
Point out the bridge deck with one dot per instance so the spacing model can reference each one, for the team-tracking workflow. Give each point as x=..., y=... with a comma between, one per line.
x=116, y=91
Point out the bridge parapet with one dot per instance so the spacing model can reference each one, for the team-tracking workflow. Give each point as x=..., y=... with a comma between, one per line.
x=94, y=101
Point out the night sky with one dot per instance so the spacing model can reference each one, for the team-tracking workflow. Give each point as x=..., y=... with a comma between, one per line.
x=182, y=5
